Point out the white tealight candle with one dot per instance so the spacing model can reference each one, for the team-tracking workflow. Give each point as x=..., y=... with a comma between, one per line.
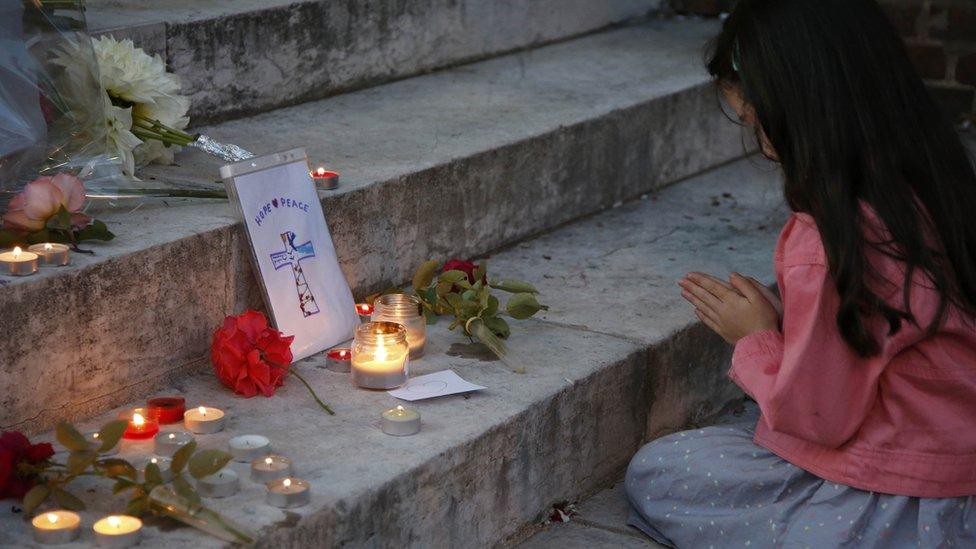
x=246, y=448
x=94, y=443
x=400, y=421
x=51, y=254
x=167, y=444
x=165, y=465
x=270, y=467
x=222, y=484
x=117, y=531
x=203, y=420
x=56, y=527
x=288, y=492
x=17, y=262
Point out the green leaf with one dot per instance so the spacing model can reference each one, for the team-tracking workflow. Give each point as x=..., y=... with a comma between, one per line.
x=137, y=506
x=469, y=309
x=469, y=295
x=79, y=461
x=69, y=437
x=35, y=497
x=111, y=433
x=498, y=326
x=454, y=301
x=115, y=467
x=492, y=308
x=68, y=500
x=453, y=277
x=425, y=274
x=61, y=221
x=95, y=231
x=443, y=288
x=153, y=474
x=522, y=306
x=208, y=462
x=480, y=271
x=122, y=485
x=514, y=286
x=182, y=456
x=184, y=489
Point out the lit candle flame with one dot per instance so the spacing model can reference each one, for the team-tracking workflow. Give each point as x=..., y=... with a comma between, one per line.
x=267, y=460
x=154, y=460
x=202, y=410
x=95, y=435
x=381, y=354
x=17, y=252
x=286, y=483
x=138, y=420
x=172, y=436
x=342, y=354
x=52, y=518
x=399, y=408
x=48, y=247
x=320, y=172
x=114, y=522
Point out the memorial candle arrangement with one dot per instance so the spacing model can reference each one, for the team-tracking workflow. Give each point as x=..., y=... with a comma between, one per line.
x=117, y=531
x=17, y=262
x=51, y=254
x=406, y=310
x=288, y=492
x=55, y=527
x=379, y=356
x=141, y=426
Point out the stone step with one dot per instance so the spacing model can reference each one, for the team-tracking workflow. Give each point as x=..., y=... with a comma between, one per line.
x=247, y=56
x=455, y=163
x=616, y=360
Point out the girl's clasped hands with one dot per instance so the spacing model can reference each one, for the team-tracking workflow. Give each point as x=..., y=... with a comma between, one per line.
x=732, y=309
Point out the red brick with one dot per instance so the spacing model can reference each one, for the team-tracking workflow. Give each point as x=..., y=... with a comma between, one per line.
x=930, y=61
x=966, y=70
x=960, y=25
x=904, y=18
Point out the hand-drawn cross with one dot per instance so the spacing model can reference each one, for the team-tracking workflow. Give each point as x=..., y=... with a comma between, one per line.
x=292, y=257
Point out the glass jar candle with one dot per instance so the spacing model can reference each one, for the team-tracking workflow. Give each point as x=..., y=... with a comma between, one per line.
x=380, y=355
x=404, y=309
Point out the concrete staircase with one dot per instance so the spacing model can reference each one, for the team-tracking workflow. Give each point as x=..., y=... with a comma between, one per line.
x=516, y=152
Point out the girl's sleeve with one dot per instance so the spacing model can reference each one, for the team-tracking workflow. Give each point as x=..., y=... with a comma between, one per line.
x=808, y=382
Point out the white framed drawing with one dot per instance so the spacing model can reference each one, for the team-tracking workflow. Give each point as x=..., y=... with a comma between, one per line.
x=294, y=258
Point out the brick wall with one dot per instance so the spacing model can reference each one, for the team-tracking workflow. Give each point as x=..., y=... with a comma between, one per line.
x=941, y=39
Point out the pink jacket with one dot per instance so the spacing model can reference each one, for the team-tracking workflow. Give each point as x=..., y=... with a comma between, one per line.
x=902, y=422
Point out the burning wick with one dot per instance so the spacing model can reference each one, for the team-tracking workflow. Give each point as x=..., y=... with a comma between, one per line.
x=17, y=252
x=52, y=518
x=320, y=172
x=138, y=420
x=267, y=460
x=114, y=522
x=286, y=483
x=202, y=410
x=48, y=247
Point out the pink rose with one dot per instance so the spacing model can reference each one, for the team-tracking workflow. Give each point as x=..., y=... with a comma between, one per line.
x=44, y=197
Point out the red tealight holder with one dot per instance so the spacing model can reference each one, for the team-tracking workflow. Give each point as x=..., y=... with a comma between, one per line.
x=339, y=359
x=365, y=311
x=141, y=425
x=325, y=179
x=167, y=410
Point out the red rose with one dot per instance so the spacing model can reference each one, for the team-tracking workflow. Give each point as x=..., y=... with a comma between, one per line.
x=249, y=356
x=466, y=267
x=15, y=451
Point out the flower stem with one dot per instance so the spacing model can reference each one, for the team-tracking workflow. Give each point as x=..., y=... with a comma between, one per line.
x=149, y=129
x=309, y=387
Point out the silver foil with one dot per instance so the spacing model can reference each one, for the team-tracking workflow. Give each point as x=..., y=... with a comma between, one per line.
x=223, y=151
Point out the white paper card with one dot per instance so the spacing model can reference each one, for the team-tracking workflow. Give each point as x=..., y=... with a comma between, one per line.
x=304, y=289
x=434, y=385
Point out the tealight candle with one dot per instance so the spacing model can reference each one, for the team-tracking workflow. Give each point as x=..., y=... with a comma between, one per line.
x=338, y=359
x=203, y=420
x=288, y=492
x=141, y=426
x=165, y=465
x=95, y=443
x=222, y=484
x=246, y=448
x=17, y=262
x=56, y=527
x=325, y=179
x=407, y=310
x=117, y=531
x=51, y=254
x=400, y=421
x=365, y=312
x=379, y=356
x=167, y=410
x=166, y=444
x=270, y=467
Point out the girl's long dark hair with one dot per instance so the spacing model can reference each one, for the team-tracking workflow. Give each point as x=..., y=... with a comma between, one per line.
x=851, y=122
